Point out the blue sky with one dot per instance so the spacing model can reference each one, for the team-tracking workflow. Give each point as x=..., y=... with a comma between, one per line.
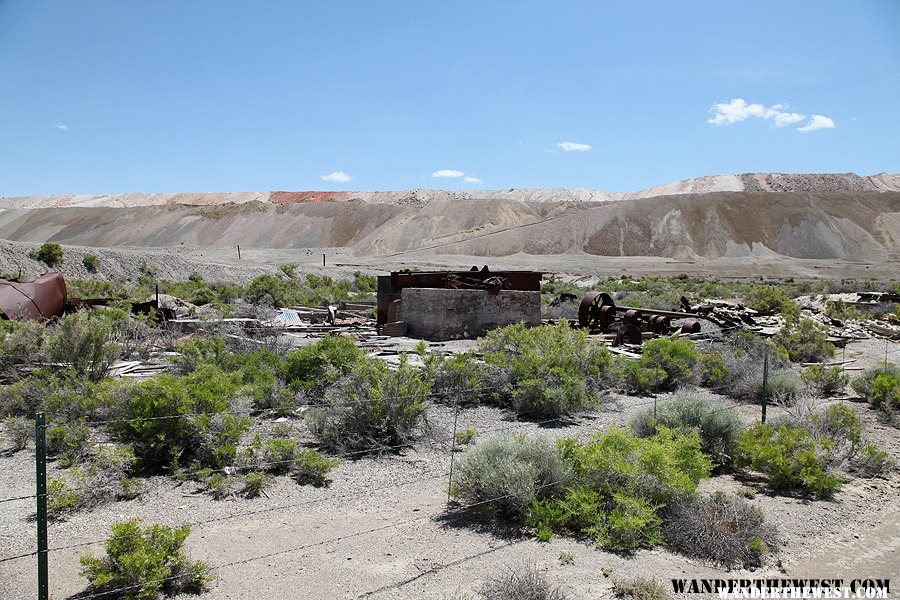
x=117, y=96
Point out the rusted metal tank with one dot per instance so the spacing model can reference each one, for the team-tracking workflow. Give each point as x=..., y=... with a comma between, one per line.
x=41, y=299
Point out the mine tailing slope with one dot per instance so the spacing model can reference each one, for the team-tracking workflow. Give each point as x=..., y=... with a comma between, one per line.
x=840, y=216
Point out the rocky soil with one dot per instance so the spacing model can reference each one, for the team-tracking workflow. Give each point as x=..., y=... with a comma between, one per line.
x=380, y=528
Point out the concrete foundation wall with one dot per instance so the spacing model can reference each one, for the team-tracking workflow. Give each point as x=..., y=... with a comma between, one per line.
x=442, y=314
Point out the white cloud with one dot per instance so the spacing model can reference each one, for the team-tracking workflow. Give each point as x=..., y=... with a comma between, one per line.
x=336, y=177
x=472, y=180
x=817, y=122
x=574, y=147
x=448, y=173
x=726, y=113
x=61, y=126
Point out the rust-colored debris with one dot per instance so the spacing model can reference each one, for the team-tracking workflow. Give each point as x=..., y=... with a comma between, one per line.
x=390, y=308
x=46, y=297
x=41, y=299
x=599, y=314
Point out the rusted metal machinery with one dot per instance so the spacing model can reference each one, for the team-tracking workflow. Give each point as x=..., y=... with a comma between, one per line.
x=46, y=297
x=391, y=286
x=598, y=313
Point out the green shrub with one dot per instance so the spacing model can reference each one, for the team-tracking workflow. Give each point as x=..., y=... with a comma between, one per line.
x=200, y=350
x=372, y=409
x=322, y=362
x=60, y=497
x=837, y=309
x=457, y=378
x=525, y=583
x=727, y=531
x=289, y=269
x=718, y=426
x=364, y=284
x=804, y=340
x=714, y=369
x=63, y=395
x=312, y=290
x=208, y=432
x=21, y=343
x=283, y=455
x=620, y=482
x=546, y=371
x=68, y=439
x=311, y=467
x=838, y=428
x=791, y=456
x=872, y=462
x=639, y=588
x=49, y=253
x=256, y=483
x=509, y=472
x=656, y=468
x=880, y=385
x=768, y=299
x=784, y=388
x=87, y=341
x=885, y=392
x=219, y=485
x=260, y=371
x=95, y=481
x=677, y=357
x=825, y=380
x=637, y=378
x=147, y=560
x=618, y=523
x=91, y=263
x=743, y=353
x=18, y=432
x=464, y=438
x=279, y=454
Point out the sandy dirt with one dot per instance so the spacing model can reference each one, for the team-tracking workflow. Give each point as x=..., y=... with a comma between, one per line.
x=380, y=528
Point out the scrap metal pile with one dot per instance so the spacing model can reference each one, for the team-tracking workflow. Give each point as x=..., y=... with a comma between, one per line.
x=47, y=297
x=599, y=314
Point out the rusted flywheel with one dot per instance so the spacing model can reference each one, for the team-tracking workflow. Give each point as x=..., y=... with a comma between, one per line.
x=597, y=311
x=628, y=334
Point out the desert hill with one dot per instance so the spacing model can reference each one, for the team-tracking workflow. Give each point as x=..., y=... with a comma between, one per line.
x=829, y=216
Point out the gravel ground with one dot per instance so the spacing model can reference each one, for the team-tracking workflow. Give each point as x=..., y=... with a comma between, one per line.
x=379, y=529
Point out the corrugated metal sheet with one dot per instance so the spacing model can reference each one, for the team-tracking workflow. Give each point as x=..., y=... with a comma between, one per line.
x=287, y=316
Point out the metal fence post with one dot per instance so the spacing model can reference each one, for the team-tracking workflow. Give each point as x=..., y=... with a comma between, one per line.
x=453, y=446
x=765, y=394
x=40, y=461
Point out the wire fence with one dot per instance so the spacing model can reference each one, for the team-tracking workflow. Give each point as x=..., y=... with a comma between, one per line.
x=448, y=445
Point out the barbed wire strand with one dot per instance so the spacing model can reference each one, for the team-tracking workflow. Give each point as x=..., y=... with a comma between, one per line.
x=18, y=498
x=457, y=510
